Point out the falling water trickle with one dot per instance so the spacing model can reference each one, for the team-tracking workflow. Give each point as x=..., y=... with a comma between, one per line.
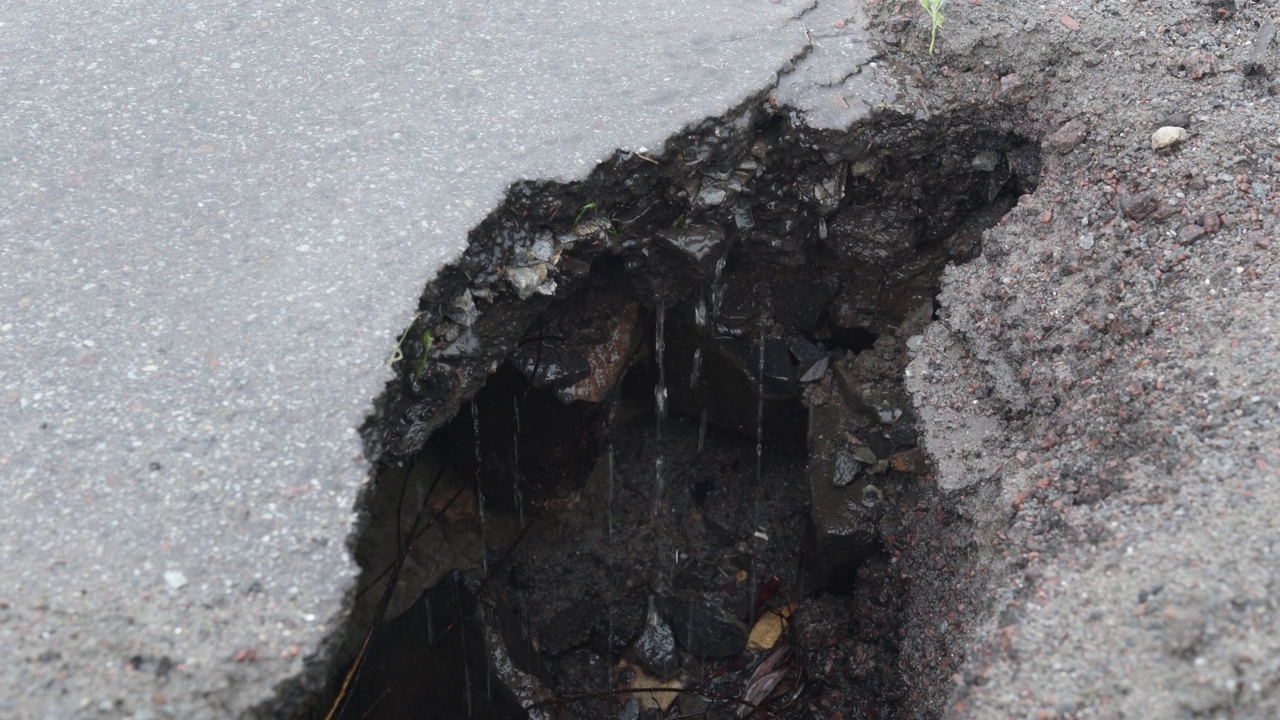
x=702, y=431
x=659, y=398
x=466, y=666
x=608, y=608
x=515, y=461
x=609, y=490
x=475, y=428
x=756, y=491
x=717, y=290
x=696, y=373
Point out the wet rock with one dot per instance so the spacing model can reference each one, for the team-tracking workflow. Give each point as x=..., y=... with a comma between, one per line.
x=904, y=433
x=463, y=310
x=768, y=629
x=1167, y=137
x=550, y=362
x=710, y=195
x=701, y=243
x=466, y=344
x=909, y=461
x=525, y=280
x=703, y=627
x=608, y=360
x=655, y=649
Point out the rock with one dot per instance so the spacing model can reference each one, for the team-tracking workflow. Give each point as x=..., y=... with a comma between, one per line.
x=1136, y=206
x=699, y=242
x=462, y=310
x=843, y=533
x=658, y=700
x=607, y=360
x=1211, y=222
x=909, y=461
x=985, y=161
x=550, y=362
x=1167, y=136
x=768, y=629
x=703, y=628
x=1068, y=137
x=1177, y=119
x=846, y=470
x=525, y=280
x=1189, y=233
x=655, y=649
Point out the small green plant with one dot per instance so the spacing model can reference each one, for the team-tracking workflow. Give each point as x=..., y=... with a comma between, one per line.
x=426, y=350
x=934, y=9
x=583, y=211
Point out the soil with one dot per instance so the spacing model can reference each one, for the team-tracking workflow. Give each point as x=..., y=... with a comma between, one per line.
x=1100, y=392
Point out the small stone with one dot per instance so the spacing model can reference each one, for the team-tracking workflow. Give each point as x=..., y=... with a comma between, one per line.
x=1136, y=206
x=985, y=161
x=524, y=280
x=1068, y=137
x=175, y=579
x=1177, y=119
x=846, y=470
x=659, y=699
x=1188, y=234
x=712, y=195
x=768, y=629
x=909, y=461
x=1211, y=222
x=1167, y=136
x=655, y=649
x=1069, y=22
x=462, y=310
x=1009, y=83
x=1086, y=242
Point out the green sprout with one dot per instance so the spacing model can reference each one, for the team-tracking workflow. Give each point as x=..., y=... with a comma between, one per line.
x=426, y=350
x=583, y=211
x=934, y=8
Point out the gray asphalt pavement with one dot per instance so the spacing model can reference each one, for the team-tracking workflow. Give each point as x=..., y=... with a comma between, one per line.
x=215, y=219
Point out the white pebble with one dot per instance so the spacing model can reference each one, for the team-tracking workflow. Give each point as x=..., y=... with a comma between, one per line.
x=1167, y=137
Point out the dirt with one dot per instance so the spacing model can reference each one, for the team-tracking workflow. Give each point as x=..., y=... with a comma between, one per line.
x=1103, y=377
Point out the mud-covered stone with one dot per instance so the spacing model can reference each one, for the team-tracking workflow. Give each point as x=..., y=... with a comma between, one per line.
x=844, y=532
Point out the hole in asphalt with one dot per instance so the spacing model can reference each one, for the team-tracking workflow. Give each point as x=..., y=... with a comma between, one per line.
x=650, y=432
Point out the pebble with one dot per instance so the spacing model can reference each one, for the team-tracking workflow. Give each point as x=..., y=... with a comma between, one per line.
x=175, y=579
x=1167, y=136
x=1068, y=137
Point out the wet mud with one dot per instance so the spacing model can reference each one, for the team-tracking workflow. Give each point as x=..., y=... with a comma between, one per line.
x=650, y=432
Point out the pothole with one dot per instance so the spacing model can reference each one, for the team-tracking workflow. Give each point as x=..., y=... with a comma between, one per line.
x=650, y=432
